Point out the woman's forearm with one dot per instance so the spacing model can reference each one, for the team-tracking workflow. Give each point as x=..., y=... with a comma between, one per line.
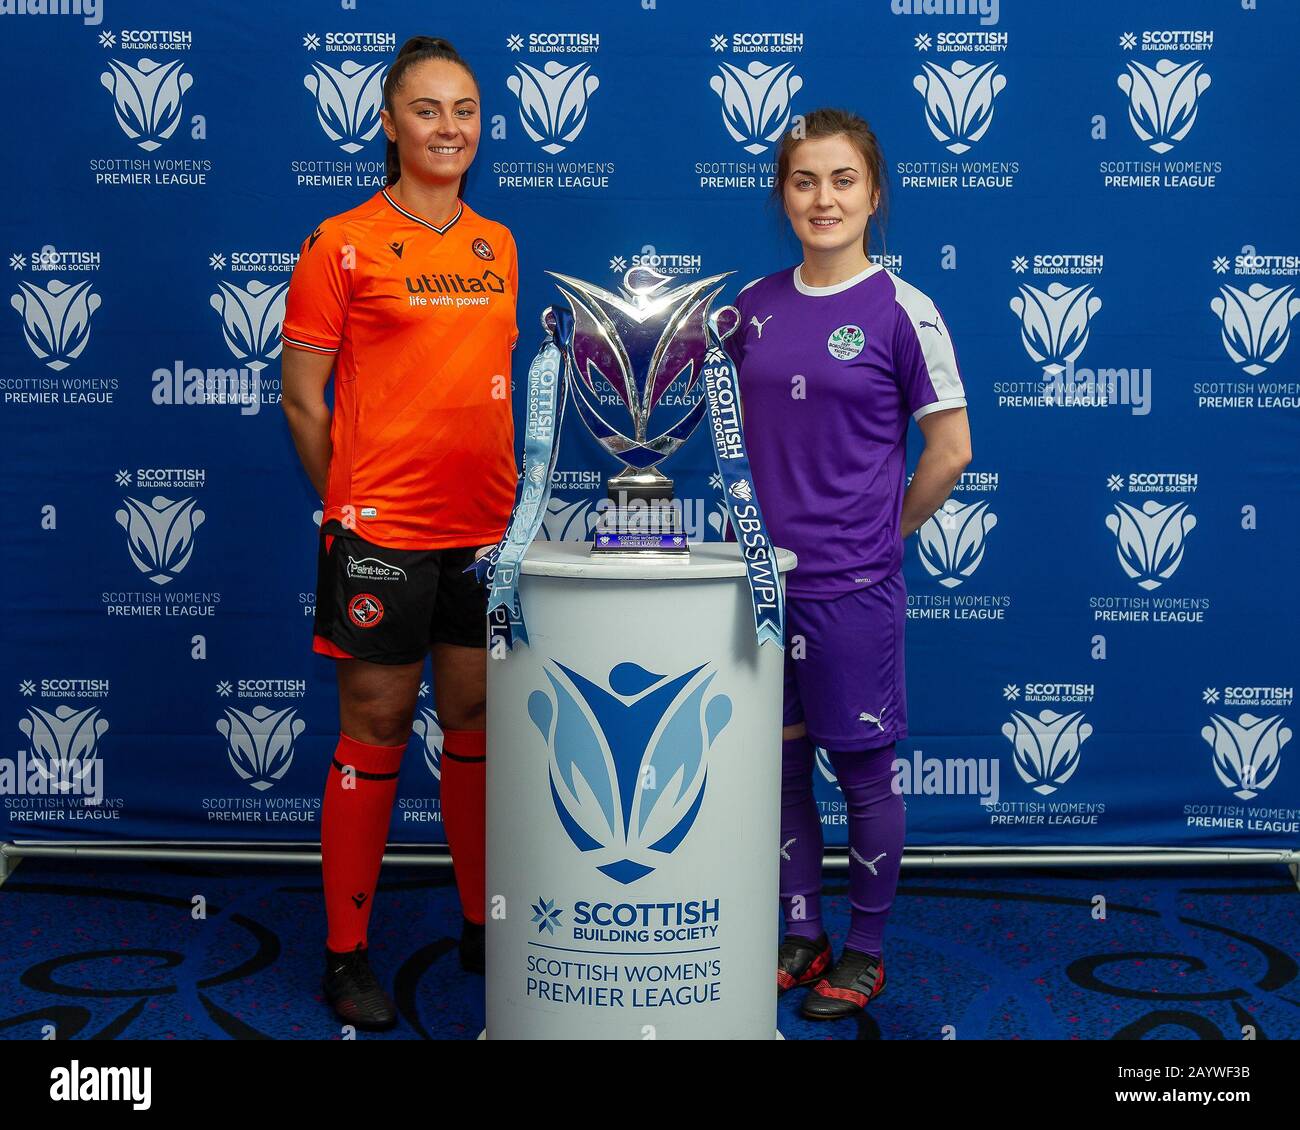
x=936, y=473
x=310, y=428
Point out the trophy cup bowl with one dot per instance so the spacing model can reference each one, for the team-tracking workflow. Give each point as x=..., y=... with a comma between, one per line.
x=635, y=362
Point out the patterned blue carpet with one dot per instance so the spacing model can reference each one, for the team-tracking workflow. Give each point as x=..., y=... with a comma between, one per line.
x=119, y=951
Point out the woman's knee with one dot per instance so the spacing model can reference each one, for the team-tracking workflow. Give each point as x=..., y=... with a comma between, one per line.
x=377, y=707
x=375, y=727
x=468, y=714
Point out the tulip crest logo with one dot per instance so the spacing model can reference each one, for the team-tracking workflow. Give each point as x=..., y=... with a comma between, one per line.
x=64, y=743
x=628, y=764
x=756, y=101
x=959, y=101
x=251, y=320
x=259, y=743
x=1162, y=100
x=1255, y=323
x=429, y=730
x=824, y=766
x=569, y=519
x=951, y=543
x=1054, y=323
x=1247, y=752
x=56, y=319
x=160, y=535
x=1046, y=748
x=348, y=100
x=553, y=101
x=147, y=98
x=1149, y=542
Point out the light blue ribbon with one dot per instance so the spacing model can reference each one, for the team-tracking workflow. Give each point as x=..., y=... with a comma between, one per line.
x=756, y=550
x=501, y=568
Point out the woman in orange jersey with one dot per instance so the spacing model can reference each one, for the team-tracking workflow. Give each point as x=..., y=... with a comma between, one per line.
x=408, y=300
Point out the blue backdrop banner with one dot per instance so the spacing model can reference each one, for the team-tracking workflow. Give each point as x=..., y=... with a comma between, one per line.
x=1099, y=197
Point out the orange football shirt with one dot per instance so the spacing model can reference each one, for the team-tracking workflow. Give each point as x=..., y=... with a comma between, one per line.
x=422, y=319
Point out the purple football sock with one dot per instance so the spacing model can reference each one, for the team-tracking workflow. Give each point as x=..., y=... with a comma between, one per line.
x=877, y=827
x=801, y=842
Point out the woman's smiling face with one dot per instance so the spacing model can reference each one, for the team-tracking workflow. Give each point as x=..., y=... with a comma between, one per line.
x=434, y=121
x=828, y=194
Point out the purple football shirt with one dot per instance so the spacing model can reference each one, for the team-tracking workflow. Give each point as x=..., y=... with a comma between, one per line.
x=828, y=451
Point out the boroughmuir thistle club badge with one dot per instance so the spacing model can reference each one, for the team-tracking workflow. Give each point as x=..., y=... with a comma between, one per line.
x=644, y=367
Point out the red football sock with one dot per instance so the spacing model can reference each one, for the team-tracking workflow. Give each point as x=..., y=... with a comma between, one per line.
x=464, y=814
x=353, y=831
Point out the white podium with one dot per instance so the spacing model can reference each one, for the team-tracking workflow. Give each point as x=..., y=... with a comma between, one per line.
x=633, y=803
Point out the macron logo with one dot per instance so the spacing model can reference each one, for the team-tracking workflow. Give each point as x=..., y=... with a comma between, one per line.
x=102, y=1084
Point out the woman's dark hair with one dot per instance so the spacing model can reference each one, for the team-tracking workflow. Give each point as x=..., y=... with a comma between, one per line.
x=417, y=49
x=829, y=123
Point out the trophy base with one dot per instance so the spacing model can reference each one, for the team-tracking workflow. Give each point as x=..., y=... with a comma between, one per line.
x=644, y=523
x=656, y=535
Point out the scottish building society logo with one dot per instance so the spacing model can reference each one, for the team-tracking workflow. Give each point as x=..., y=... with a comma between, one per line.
x=1054, y=323
x=1247, y=752
x=64, y=744
x=147, y=98
x=951, y=543
x=959, y=101
x=56, y=319
x=428, y=729
x=1255, y=323
x=259, y=742
x=553, y=101
x=1046, y=747
x=1162, y=100
x=756, y=101
x=1149, y=541
x=628, y=765
x=251, y=319
x=348, y=99
x=160, y=534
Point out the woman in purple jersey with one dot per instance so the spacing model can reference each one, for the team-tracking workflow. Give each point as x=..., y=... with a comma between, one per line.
x=835, y=356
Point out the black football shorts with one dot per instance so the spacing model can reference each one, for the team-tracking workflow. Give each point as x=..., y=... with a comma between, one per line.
x=389, y=605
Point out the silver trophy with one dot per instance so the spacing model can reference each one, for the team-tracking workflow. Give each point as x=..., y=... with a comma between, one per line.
x=635, y=362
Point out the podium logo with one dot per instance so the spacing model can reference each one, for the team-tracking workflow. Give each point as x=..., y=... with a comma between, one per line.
x=1247, y=752
x=160, y=535
x=756, y=101
x=147, y=98
x=348, y=99
x=951, y=543
x=1162, y=100
x=64, y=744
x=56, y=319
x=1046, y=748
x=627, y=765
x=1054, y=323
x=1255, y=323
x=259, y=742
x=251, y=319
x=959, y=102
x=1149, y=542
x=553, y=101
